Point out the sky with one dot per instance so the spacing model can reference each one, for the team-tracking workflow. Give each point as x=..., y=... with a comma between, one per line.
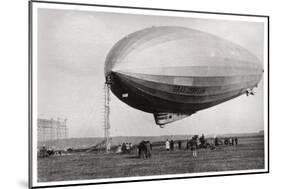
x=72, y=46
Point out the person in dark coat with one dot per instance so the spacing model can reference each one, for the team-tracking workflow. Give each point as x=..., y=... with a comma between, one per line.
x=236, y=141
x=187, y=144
x=226, y=141
x=194, y=147
x=123, y=148
x=202, y=141
x=148, y=149
x=179, y=144
x=216, y=141
x=142, y=149
x=172, y=145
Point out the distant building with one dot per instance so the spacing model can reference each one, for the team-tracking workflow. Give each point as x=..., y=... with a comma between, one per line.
x=51, y=129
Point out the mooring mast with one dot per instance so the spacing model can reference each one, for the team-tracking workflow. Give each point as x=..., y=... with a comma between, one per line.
x=107, y=112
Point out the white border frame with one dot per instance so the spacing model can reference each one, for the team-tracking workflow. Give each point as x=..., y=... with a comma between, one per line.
x=133, y=10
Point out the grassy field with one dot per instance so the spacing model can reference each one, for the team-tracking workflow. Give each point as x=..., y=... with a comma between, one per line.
x=249, y=154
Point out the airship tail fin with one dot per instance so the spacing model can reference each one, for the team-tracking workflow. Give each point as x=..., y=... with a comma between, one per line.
x=165, y=118
x=250, y=92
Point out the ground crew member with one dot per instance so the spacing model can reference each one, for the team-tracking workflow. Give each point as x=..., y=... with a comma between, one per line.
x=236, y=141
x=194, y=147
x=179, y=144
x=148, y=149
x=167, y=145
x=172, y=145
x=232, y=141
x=123, y=148
x=127, y=147
x=216, y=141
x=142, y=149
x=187, y=144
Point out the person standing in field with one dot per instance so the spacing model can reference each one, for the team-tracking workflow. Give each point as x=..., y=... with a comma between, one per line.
x=172, y=145
x=127, y=147
x=142, y=150
x=123, y=147
x=197, y=141
x=167, y=145
x=236, y=141
x=148, y=149
x=216, y=141
x=194, y=147
x=179, y=144
x=187, y=144
x=232, y=141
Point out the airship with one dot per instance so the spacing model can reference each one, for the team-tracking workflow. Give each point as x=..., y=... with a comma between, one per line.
x=174, y=72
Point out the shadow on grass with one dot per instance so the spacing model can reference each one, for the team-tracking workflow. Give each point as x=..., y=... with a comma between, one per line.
x=132, y=157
